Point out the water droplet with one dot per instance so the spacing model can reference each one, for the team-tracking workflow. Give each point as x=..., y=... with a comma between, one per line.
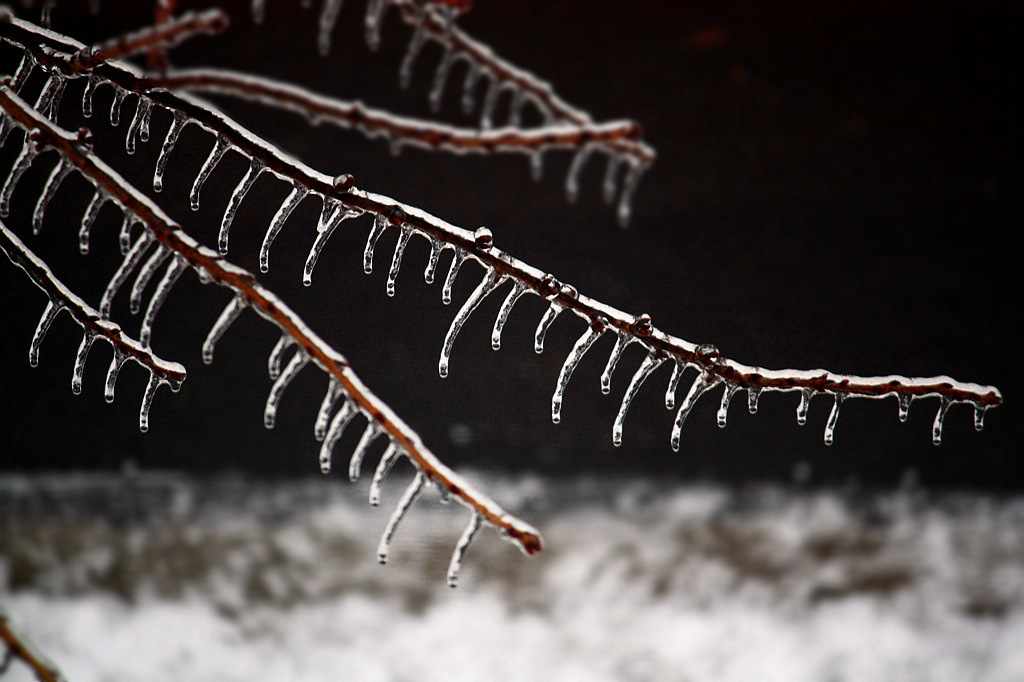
x=483, y=238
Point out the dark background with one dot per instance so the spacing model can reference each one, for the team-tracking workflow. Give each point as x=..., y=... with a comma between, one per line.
x=837, y=186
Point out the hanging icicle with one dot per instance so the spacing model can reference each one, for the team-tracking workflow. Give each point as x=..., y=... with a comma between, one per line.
x=156, y=259
x=833, y=417
x=490, y=281
x=370, y=434
x=380, y=224
x=174, y=270
x=323, y=415
x=295, y=196
x=57, y=175
x=469, y=87
x=173, y=133
x=91, y=213
x=293, y=367
x=128, y=264
x=91, y=84
x=904, y=405
x=460, y=549
x=621, y=341
x=723, y=408
x=701, y=385
x=572, y=178
x=458, y=259
x=387, y=460
x=334, y=433
x=396, y=260
x=241, y=189
x=444, y=67
x=650, y=363
x=21, y=164
x=753, y=393
x=115, y=106
x=49, y=313
x=332, y=215
x=216, y=154
x=517, y=292
x=328, y=17
x=583, y=344
x=940, y=417
x=276, y=354
x=230, y=313
x=139, y=120
x=436, y=246
x=804, y=406
x=545, y=322
x=115, y=368
x=408, y=498
x=80, y=357
x=673, y=383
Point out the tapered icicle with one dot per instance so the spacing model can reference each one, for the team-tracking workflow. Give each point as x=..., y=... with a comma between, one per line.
x=753, y=393
x=723, y=408
x=629, y=185
x=396, y=260
x=80, y=358
x=490, y=103
x=387, y=460
x=436, y=245
x=323, y=415
x=979, y=416
x=57, y=175
x=621, y=341
x=295, y=196
x=700, y=386
x=216, y=154
x=328, y=17
x=115, y=106
x=334, y=433
x=115, y=368
x=611, y=174
x=276, y=354
x=804, y=406
x=258, y=10
x=355, y=463
x=469, y=87
x=583, y=344
x=90, y=90
x=21, y=164
x=572, y=179
x=419, y=37
x=53, y=107
x=374, y=15
x=515, y=109
x=330, y=217
x=128, y=264
x=124, y=237
x=49, y=313
x=940, y=417
x=453, y=271
x=499, y=322
x=545, y=322
x=380, y=223
x=537, y=166
x=460, y=549
x=140, y=118
x=833, y=417
x=488, y=284
x=408, y=498
x=91, y=212
x=146, y=272
x=171, y=275
x=147, y=401
x=904, y=401
x=230, y=313
x=243, y=186
x=22, y=73
x=293, y=367
x=650, y=363
x=673, y=384
x=173, y=133
x=444, y=67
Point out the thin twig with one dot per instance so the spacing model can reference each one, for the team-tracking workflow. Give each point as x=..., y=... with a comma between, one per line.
x=20, y=649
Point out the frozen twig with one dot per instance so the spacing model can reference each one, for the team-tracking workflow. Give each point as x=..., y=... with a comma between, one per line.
x=16, y=647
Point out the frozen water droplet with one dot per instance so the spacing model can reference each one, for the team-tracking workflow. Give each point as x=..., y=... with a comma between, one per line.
x=115, y=368
x=940, y=417
x=387, y=460
x=804, y=406
x=650, y=363
x=370, y=434
x=323, y=415
x=163, y=288
x=621, y=341
x=408, y=498
x=583, y=344
x=701, y=385
x=753, y=393
x=87, y=94
x=483, y=238
x=293, y=367
x=489, y=282
x=514, y=295
x=115, y=106
x=904, y=401
x=436, y=245
x=147, y=401
x=457, y=260
x=380, y=224
x=230, y=313
x=80, y=358
x=296, y=195
x=241, y=189
x=173, y=133
x=216, y=154
x=374, y=16
x=673, y=383
x=723, y=409
x=708, y=354
x=460, y=549
x=396, y=260
x=833, y=417
x=277, y=354
x=545, y=322
x=334, y=433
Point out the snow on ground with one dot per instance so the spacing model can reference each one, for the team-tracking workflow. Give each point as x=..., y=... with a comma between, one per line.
x=165, y=578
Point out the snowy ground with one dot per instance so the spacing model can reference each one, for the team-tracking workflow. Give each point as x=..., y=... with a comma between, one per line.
x=162, y=578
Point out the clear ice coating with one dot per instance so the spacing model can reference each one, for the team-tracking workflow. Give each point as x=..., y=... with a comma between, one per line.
x=650, y=363
x=128, y=264
x=419, y=38
x=331, y=216
x=49, y=312
x=629, y=185
x=293, y=367
x=611, y=174
x=514, y=295
x=380, y=224
x=904, y=401
x=90, y=90
x=545, y=322
x=80, y=357
x=396, y=260
x=370, y=434
x=334, y=433
x=490, y=103
x=88, y=218
x=753, y=393
x=489, y=282
x=537, y=166
x=241, y=189
x=455, y=565
x=147, y=401
x=173, y=133
x=979, y=416
x=323, y=415
x=804, y=406
x=230, y=313
x=140, y=122
x=125, y=235
x=171, y=275
x=583, y=344
x=328, y=17
x=115, y=106
x=723, y=408
x=277, y=353
x=621, y=341
x=701, y=385
x=21, y=164
x=412, y=492
x=374, y=16
x=833, y=417
x=940, y=417
x=572, y=179
x=444, y=67
x=387, y=460
x=436, y=245
x=469, y=87
x=458, y=258
x=673, y=383
x=57, y=175
x=216, y=154
x=295, y=196
x=115, y=368
x=145, y=274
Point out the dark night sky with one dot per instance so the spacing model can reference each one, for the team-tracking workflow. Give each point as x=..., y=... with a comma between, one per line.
x=834, y=188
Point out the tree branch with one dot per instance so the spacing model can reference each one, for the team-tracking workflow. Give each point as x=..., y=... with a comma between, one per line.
x=16, y=647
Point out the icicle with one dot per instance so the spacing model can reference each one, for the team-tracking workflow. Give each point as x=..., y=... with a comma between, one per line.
x=435, y=252
x=323, y=415
x=216, y=154
x=833, y=417
x=460, y=549
x=333, y=434
x=91, y=212
x=54, y=84
x=650, y=363
x=243, y=186
x=60, y=171
x=621, y=341
x=115, y=106
x=80, y=357
x=723, y=409
x=979, y=416
x=395, y=146
x=583, y=344
x=163, y=288
x=21, y=164
x=129, y=263
x=173, y=133
x=408, y=498
x=611, y=174
x=374, y=16
x=444, y=67
x=572, y=179
x=545, y=322
x=293, y=367
x=230, y=313
x=419, y=37
x=904, y=400
x=141, y=116
x=387, y=460
x=396, y=260
x=629, y=185
x=54, y=106
x=515, y=111
x=469, y=87
x=490, y=103
x=147, y=401
x=330, y=217
x=144, y=123
x=940, y=417
x=444, y=496
x=87, y=94
x=115, y=367
x=753, y=393
x=49, y=313
x=297, y=194
x=125, y=236
x=673, y=383
x=369, y=435
x=537, y=166
x=701, y=385
x=258, y=11
x=804, y=406
x=274, y=360
x=146, y=272
x=328, y=17
x=22, y=73
x=380, y=223
x=489, y=282
x=499, y=322
x=458, y=259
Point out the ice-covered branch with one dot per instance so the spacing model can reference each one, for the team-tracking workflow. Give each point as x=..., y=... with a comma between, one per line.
x=14, y=646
